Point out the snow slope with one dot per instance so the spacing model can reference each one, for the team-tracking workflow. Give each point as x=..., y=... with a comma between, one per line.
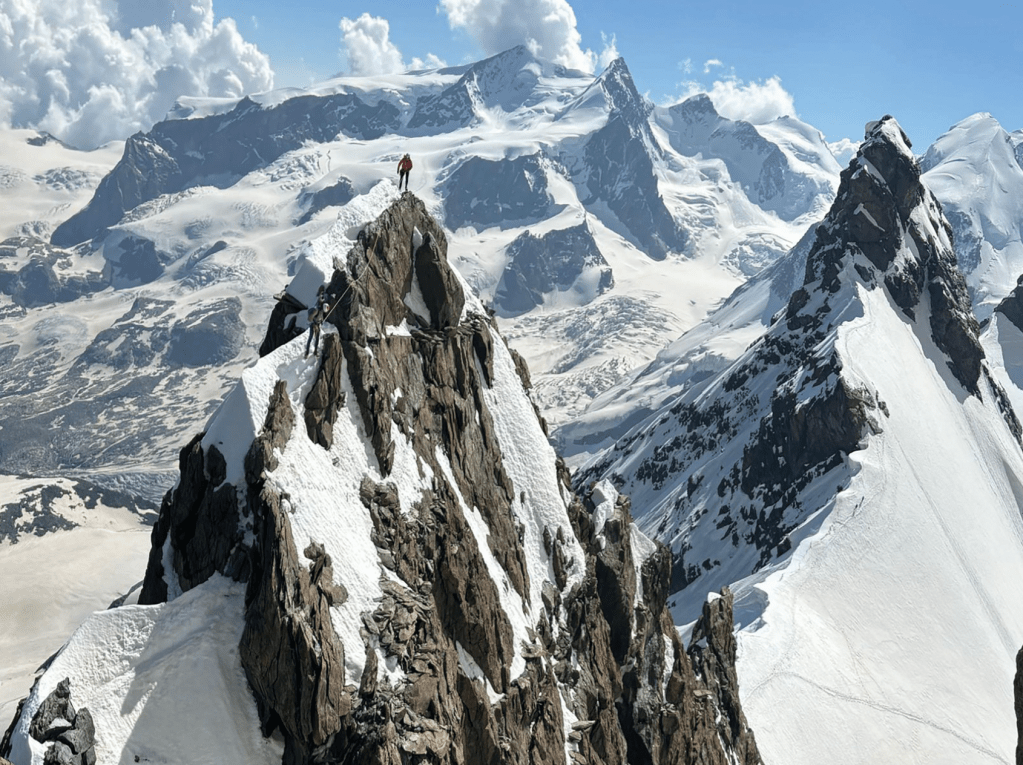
x=67, y=549
x=856, y=474
x=43, y=181
x=891, y=634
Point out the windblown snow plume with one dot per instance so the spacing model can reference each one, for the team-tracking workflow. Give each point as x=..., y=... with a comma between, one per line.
x=93, y=71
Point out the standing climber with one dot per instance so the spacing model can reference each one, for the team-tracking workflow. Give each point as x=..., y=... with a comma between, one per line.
x=316, y=315
x=404, y=167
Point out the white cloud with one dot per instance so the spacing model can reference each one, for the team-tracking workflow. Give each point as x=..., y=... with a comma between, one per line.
x=756, y=101
x=547, y=27
x=710, y=64
x=609, y=53
x=367, y=43
x=686, y=65
x=91, y=71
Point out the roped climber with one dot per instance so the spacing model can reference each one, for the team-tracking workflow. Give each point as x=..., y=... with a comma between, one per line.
x=404, y=168
x=316, y=315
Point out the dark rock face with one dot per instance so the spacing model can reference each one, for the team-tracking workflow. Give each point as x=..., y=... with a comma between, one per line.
x=593, y=648
x=1011, y=306
x=138, y=262
x=442, y=292
x=541, y=264
x=484, y=193
x=209, y=335
x=873, y=213
x=621, y=171
x=37, y=282
x=713, y=654
x=217, y=150
x=201, y=518
x=340, y=193
x=71, y=732
x=1017, y=688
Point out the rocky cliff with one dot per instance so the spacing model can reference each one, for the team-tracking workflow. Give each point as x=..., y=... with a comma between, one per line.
x=420, y=582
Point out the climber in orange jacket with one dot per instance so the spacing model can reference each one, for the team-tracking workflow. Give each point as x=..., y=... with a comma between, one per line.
x=404, y=167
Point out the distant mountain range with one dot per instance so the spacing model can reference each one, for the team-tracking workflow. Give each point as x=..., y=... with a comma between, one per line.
x=805, y=378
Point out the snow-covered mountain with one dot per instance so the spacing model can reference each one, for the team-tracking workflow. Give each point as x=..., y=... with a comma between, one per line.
x=855, y=473
x=976, y=172
x=373, y=555
x=971, y=170
x=567, y=206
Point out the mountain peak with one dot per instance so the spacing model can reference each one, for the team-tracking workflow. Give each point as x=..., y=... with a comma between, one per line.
x=886, y=227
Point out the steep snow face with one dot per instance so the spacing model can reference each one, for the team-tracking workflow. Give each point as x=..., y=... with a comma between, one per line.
x=787, y=470
x=890, y=635
x=974, y=170
x=163, y=683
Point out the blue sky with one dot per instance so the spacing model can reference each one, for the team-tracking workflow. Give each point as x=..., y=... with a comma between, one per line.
x=929, y=64
x=96, y=70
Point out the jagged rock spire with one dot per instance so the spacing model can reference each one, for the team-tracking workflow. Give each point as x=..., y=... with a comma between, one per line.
x=492, y=535
x=885, y=214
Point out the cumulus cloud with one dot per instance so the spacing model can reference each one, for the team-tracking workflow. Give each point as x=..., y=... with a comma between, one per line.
x=755, y=101
x=90, y=71
x=366, y=43
x=547, y=27
x=710, y=64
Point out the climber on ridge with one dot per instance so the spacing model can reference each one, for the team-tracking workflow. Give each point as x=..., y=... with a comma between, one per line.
x=404, y=167
x=316, y=315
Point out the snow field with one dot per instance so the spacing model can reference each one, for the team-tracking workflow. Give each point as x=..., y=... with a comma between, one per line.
x=163, y=683
x=891, y=634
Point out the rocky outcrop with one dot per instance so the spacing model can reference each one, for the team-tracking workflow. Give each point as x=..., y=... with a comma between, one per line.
x=553, y=262
x=485, y=193
x=1017, y=687
x=875, y=214
x=1011, y=306
x=70, y=733
x=461, y=685
x=37, y=282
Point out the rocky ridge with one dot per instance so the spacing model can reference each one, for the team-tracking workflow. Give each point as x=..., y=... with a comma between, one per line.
x=596, y=673
x=730, y=468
